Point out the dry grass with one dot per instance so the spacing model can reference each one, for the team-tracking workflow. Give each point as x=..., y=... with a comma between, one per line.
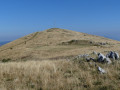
x=58, y=75
x=28, y=72
x=47, y=45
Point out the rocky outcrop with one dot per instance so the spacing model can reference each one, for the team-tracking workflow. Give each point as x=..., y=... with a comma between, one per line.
x=113, y=55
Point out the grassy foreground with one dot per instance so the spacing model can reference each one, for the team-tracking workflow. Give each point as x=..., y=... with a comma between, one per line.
x=58, y=75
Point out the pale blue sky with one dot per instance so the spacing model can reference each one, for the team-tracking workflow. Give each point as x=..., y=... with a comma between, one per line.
x=22, y=17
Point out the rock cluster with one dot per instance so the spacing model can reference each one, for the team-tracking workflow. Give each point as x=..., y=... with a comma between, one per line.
x=101, y=58
x=113, y=55
x=108, y=58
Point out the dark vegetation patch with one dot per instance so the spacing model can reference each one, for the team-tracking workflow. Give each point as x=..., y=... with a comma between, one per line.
x=6, y=60
x=76, y=42
x=52, y=29
x=83, y=42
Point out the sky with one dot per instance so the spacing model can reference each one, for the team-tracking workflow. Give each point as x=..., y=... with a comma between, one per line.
x=22, y=17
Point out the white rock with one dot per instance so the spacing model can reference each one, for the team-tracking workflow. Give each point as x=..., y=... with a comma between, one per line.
x=113, y=55
x=108, y=60
x=116, y=55
x=94, y=52
x=102, y=71
x=101, y=57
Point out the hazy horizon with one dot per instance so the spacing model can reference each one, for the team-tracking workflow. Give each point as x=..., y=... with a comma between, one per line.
x=110, y=35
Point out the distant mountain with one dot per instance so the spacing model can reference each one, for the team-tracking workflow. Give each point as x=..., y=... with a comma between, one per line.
x=114, y=37
x=4, y=42
x=110, y=35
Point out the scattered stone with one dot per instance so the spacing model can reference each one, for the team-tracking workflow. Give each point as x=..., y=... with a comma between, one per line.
x=101, y=57
x=90, y=59
x=102, y=43
x=108, y=61
x=113, y=55
x=116, y=55
x=102, y=71
x=94, y=52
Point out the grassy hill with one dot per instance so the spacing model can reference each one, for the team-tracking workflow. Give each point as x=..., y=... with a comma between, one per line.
x=55, y=43
x=44, y=61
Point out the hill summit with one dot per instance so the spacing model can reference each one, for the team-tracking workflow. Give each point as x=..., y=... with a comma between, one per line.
x=55, y=43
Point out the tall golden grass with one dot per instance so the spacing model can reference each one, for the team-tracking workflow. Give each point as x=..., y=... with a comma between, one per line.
x=58, y=75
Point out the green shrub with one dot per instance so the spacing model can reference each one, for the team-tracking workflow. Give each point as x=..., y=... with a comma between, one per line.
x=6, y=60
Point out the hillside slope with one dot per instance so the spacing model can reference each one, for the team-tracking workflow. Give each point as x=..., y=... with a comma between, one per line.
x=56, y=43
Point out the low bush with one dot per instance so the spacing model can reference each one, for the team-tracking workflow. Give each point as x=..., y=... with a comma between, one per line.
x=6, y=60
